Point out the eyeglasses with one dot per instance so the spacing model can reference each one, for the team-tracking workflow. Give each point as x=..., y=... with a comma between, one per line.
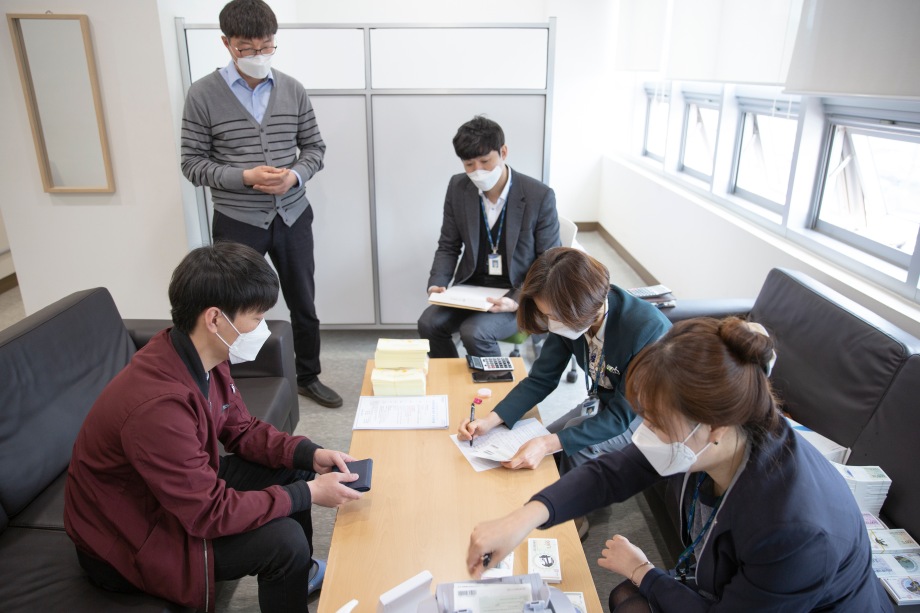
x=250, y=52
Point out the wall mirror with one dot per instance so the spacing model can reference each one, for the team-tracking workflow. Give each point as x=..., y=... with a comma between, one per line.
x=58, y=72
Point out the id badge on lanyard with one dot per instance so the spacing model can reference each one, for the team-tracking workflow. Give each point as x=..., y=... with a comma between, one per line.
x=495, y=258
x=495, y=264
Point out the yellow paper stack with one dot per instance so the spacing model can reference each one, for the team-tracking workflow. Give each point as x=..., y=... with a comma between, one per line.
x=401, y=365
x=398, y=381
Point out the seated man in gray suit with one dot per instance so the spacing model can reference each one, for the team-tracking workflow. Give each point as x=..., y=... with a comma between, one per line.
x=502, y=220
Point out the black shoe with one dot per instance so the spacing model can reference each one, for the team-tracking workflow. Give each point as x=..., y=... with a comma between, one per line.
x=320, y=394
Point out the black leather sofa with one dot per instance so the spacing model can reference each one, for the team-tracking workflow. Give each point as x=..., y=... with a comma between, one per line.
x=53, y=364
x=843, y=372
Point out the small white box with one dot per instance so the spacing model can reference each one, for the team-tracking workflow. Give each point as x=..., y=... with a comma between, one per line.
x=835, y=452
x=543, y=559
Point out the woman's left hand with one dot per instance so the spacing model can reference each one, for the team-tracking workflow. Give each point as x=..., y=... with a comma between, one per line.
x=622, y=557
x=531, y=453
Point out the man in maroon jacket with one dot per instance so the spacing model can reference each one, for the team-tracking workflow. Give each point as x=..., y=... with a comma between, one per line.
x=151, y=504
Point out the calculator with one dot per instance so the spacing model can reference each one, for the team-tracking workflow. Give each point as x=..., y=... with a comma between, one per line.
x=650, y=291
x=489, y=363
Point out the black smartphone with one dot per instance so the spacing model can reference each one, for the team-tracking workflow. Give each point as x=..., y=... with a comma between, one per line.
x=364, y=468
x=492, y=376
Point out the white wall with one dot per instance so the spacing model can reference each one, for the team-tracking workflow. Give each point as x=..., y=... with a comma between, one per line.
x=702, y=251
x=128, y=241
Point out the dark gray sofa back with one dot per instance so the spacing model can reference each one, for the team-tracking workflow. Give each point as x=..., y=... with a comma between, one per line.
x=850, y=375
x=53, y=365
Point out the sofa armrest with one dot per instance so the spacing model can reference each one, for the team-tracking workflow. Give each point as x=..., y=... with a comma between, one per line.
x=142, y=330
x=718, y=308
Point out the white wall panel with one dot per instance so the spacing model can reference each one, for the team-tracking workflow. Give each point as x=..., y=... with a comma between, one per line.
x=414, y=160
x=453, y=58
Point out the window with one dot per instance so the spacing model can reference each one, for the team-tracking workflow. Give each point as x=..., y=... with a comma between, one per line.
x=658, y=107
x=700, y=129
x=763, y=155
x=869, y=195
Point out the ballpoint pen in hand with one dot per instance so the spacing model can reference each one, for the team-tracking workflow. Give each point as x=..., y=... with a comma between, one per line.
x=473, y=415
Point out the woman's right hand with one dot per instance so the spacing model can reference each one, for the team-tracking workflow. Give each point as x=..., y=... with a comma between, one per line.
x=471, y=429
x=499, y=537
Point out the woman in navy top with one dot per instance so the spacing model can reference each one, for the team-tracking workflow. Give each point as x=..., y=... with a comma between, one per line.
x=769, y=524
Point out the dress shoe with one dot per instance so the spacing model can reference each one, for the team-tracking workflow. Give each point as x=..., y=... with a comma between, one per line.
x=321, y=394
x=317, y=573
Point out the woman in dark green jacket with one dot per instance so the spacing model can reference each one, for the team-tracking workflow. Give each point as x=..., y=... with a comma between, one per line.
x=568, y=294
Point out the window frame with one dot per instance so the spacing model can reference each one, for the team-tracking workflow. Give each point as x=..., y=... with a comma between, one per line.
x=662, y=93
x=702, y=99
x=879, y=122
x=760, y=106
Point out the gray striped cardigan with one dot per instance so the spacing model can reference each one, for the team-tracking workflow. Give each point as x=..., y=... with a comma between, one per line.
x=220, y=139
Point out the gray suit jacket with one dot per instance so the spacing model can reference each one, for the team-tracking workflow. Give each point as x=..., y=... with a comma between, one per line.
x=531, y=227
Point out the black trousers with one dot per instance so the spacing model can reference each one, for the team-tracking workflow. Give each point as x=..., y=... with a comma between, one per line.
x=279, y=553
x=291, y=251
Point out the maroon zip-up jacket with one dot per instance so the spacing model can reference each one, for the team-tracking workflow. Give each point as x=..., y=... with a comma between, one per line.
x=142, y=489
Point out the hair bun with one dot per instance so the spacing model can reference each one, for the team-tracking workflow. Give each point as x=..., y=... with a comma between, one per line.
x=749, y=342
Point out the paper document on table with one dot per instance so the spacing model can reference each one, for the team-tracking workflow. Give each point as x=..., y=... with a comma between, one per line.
x=467, y=297
x=489, y=449
x=503, y=443
x=478, y=464
x=491, y=597
x=401, y=413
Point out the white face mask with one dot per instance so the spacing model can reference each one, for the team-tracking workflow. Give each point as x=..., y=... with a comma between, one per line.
x=247, y=345
x=486, y=179
x=666, y=458
x=256, y=66
x=557, y=327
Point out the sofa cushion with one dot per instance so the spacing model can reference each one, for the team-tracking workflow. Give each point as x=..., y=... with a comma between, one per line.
x=47, y=510
x=53, y=365
x=42, y=573
x=836, y=359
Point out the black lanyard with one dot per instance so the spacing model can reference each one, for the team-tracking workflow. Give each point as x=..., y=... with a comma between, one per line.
x=501, y=225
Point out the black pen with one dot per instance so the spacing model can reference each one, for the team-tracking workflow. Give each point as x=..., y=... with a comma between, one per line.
x=486, y=559
x=472, y=417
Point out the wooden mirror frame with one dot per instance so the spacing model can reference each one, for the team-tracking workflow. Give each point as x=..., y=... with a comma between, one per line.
x=35, y=119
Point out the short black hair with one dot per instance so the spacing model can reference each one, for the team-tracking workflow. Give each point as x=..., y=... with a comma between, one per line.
x=479, y=136
x=248, y=19
x=226, y=275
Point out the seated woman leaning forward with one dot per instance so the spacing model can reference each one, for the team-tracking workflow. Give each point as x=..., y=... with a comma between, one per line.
x=769, y=524
x=568, y=294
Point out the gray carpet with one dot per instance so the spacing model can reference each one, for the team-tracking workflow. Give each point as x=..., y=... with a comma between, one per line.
x=344, y=355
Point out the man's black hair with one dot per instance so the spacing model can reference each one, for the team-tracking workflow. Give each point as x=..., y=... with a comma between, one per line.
x=251, y=19
x=479, y=136
x=226, y=275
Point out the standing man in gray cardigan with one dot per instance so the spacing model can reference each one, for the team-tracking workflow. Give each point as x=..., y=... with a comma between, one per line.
x=500, y=221
x=249, y=134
